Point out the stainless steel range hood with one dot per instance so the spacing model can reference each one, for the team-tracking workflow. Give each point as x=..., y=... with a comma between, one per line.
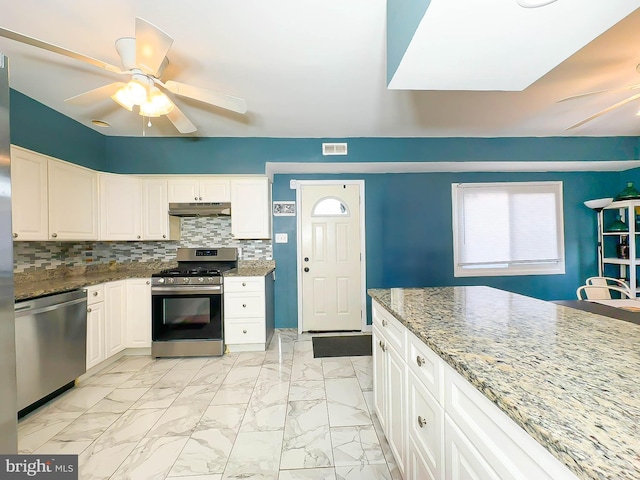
x=199, y=209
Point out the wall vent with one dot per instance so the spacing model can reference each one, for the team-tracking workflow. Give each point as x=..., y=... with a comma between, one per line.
x=334, y=149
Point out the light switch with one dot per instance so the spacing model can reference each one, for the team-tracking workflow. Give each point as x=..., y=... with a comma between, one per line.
x=282, y=238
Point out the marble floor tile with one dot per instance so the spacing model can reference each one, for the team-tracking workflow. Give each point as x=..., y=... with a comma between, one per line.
x=231, y=395
x=211, y=374
x=369, y=399
x=213, y=476
x=144, y=378
x=119, y=400
x=87, y=427
x=178, y=420
x=306, y=441
x=360, y=472
x=255, y=455
x=79, y=399
x=100, y=461
x=305, y=370
x=356, y=446
x=307, y=390
x=308, y=474
x=346, y=403
x=196, y=394
x=152, y=458
x=38, y=430
x=222, y=417
x=54, y=447
x=250, y=359
x=109, y=379
x=130, y=364
x=132, y=426
x=205, y=452
x=157, y=398
x=363, y=367
x=176, y=378
x=337, y=367
x=193, y=363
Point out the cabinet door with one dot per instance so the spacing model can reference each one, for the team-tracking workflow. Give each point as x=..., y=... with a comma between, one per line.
x=29, y=207
x=251, y=208
x=95, y=334
x=155, y=219
x=215, y=190
x=463, y=462
x=115, y=300
x=396, y=408
x=120, y=207
x=73, y=202
x=379, y=389
x=138, y=313
x=183, y=190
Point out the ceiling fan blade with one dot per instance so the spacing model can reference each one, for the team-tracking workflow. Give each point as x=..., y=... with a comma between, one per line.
x=96, y=94
x=180, y=121
x=217, y=99
x=152, y=45
x=606, y=110
x=34, y=42
x=580, y=95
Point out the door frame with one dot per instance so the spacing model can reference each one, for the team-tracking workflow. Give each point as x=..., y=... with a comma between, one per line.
x=363, y=262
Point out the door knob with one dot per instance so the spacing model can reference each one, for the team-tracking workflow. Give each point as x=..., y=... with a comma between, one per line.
x=306, y=269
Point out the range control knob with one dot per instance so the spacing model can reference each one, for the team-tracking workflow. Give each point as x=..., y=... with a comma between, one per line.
x=185, y=280
x=161, y=280
x=201, y=280
x=171, y=280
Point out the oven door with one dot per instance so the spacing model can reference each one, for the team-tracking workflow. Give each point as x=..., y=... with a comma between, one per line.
x=186, y=313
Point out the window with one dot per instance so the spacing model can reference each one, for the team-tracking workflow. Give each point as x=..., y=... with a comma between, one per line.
x=330, y=207
x=507, y=229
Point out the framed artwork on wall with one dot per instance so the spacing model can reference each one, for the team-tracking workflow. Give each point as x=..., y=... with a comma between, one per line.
x=284, y=209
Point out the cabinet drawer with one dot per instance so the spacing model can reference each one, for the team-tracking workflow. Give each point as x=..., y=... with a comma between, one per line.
x=426, y=420
x=244, y=305
x=390, y=328
x=427, y=366
x=244, y=332
x=95, y=294
x=244, y=284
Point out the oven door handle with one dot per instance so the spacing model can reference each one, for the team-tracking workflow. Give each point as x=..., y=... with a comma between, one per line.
x=212, y=290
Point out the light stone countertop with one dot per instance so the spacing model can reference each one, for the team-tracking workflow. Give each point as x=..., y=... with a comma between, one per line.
x=46, y=282
x=571, y=379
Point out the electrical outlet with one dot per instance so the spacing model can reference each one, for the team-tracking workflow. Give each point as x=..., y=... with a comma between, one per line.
x=282, y=238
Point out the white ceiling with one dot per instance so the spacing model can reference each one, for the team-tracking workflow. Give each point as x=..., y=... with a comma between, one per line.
x=316, y=69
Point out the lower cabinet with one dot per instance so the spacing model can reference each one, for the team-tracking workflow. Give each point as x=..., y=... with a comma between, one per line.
x=118, y=317
x=438, y=425
x=248, y=313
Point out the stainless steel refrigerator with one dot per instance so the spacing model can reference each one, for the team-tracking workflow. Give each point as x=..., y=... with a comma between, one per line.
x=8, y=412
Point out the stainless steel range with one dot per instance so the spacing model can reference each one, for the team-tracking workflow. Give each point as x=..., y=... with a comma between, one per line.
x=186, y=303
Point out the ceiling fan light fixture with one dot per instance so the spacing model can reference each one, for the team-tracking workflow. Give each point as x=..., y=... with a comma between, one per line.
x=157, y=104
x=121, y=97
x=137, y=89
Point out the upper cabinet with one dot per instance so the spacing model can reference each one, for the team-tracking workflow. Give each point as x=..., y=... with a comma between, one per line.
x=73, y=202
x=194, y=190
x=30, y=212
x=156, y=223
x=120, y=207
x=251, y=208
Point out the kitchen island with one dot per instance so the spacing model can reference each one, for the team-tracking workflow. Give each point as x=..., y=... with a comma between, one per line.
x=566, y=377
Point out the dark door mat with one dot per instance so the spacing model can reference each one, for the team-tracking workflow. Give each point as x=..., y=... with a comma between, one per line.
x=342, y=346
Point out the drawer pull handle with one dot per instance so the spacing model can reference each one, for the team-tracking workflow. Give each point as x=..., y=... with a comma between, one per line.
x=384, y=322
x=244, y=331
x=419, y=360
x=421, y=422
x=95, y=294
x=382, y=346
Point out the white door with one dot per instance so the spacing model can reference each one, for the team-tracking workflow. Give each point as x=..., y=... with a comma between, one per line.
x=330, y=257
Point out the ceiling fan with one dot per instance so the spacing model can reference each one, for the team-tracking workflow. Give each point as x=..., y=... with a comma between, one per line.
x=608, y=109
x=144, y=59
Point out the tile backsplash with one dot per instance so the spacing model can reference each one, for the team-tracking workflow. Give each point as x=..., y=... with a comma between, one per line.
x=195, y=232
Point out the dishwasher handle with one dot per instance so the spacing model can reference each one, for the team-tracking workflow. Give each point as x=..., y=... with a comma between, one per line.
x=22, y=310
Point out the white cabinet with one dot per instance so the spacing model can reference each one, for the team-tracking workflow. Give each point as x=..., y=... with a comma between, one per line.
x=452, y=431
x=115, y=302
x=73, y=202
x=196, y=190
x=95, y=325
x=248, y=313
x=251, y=208
x=120, y=207
x=138, y=329
x=390, y=375
x=156, y=222
x=29, y=203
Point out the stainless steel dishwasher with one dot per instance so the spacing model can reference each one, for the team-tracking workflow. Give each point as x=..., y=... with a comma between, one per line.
x=51, y=344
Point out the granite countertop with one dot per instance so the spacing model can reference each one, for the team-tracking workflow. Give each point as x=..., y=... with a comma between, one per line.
x=46, y=282
x=569, y=378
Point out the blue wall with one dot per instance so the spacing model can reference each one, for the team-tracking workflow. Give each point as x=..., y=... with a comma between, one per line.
x=46, y=131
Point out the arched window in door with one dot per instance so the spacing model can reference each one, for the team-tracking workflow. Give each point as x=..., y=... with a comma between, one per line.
x=330, y=207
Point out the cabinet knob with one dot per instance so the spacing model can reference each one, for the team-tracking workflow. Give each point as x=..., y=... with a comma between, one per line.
x=148, y=282
x=88, y=310
x=244, y=284
x=384, y=322
x=419, y=360
x=421, y=422
x=196, y=198
x=164, y=236
x=138, y=237
x=244, y=305
x=306, y=269
x=199, y=198
x=54, y=235
x=95, y=294
x=244, y=331
x=15, y=235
